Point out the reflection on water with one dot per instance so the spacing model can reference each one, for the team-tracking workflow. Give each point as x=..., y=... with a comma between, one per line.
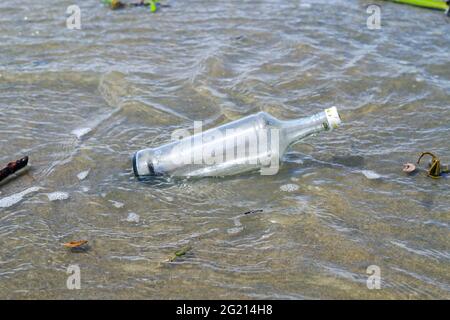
x=79, y=103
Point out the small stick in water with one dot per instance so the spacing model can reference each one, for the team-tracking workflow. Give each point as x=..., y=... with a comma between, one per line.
x=254, y=211
x=13, y=167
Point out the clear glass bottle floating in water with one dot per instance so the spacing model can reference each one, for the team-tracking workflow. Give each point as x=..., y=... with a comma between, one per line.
x=255, y=142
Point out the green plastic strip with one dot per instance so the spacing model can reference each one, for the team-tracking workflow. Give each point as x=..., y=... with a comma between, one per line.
x=432, y=4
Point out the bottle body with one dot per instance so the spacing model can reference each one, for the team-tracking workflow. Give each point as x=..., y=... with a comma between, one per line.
x=255, y=142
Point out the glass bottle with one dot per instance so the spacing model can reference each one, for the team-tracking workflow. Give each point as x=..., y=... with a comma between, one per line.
x=255, y=142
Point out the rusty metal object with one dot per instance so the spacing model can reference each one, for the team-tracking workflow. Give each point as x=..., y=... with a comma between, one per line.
x=13, y=167
x=436, y=169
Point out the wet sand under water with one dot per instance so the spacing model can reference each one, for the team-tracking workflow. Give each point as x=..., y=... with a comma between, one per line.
x=80, y=102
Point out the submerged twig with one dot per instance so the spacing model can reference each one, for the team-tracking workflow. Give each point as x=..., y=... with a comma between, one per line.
x=254, y=211
x=13, y=167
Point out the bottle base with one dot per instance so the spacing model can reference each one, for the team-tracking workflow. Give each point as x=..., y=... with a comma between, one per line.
x=135, y=165
x=151, y=169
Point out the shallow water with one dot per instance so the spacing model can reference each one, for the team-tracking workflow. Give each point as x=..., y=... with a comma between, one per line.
x=80, y=102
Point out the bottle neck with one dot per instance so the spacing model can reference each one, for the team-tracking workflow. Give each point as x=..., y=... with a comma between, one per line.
x=297, y=129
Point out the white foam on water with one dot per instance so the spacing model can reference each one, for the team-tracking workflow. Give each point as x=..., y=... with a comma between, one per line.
x=237, y=226
x=369, y=174
x=117, y=204
x=234, y=230
x=16, y=198
x=80, y=132
x=133, y=217
x=83, y=175
x=290, y=187
x=58, y=196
